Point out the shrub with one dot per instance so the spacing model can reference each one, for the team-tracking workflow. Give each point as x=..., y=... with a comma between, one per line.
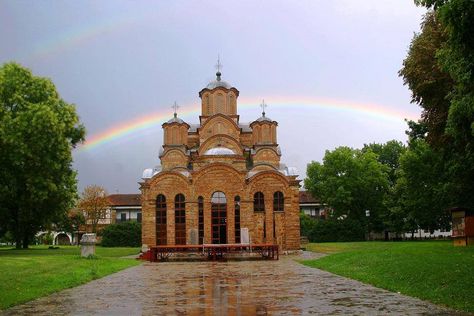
x=332, y=229
x=127, y=234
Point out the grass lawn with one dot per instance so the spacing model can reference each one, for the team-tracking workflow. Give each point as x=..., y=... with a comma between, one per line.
x=39, y=271
x=432, y=270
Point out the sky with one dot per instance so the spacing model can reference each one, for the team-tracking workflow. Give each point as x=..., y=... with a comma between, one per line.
x=328, y=71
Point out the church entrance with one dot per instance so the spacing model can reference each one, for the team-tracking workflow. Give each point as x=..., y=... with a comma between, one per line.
x=219, y=218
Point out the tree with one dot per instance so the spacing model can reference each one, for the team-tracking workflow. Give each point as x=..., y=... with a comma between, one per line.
x=453, y=53
x=350, y=181
x=429, y=83
x=389, y=154
x=38, y=130
x=420, y=188
x=95, y=204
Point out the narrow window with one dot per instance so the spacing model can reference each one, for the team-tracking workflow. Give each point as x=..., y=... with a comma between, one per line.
x=139, y=217
x=258, y=202
x=278, y=202
x=161, y=235
x=219, y=218
x=123, y=217
x=201, y=219
x=180, y=220
x=237, y=219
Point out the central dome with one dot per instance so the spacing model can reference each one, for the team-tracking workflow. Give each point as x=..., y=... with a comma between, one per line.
x=218, y=83
x=219, y=151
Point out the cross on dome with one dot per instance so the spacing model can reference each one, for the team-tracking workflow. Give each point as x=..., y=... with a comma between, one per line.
x=263, y=106
x=218, y=67
x=175, y=107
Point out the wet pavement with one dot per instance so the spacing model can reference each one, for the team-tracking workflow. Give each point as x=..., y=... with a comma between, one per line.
x=282, y=287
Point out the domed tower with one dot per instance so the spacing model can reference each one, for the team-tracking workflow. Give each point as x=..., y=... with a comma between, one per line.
x=174, y=153
x=218, y=97
x=264, y=133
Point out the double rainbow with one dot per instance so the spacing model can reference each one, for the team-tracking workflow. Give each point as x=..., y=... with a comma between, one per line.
x=153, y=120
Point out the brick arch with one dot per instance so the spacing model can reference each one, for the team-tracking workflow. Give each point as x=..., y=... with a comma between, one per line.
x=169, y=174
x=268, y=174
x=262, y=150
x=172, y=150
x=219, y=115
x=213, y=140
x=263, y=167
x=215, y=166
x=225, y=178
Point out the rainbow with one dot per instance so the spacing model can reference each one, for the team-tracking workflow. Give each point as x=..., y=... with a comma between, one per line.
x=76, y=36
x=153, y=120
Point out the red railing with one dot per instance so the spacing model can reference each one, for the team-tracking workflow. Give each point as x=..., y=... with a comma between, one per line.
x=211, y=251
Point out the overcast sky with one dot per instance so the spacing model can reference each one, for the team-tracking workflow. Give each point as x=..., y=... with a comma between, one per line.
x=121, y=60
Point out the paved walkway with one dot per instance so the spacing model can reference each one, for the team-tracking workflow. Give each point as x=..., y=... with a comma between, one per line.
x=282, y=287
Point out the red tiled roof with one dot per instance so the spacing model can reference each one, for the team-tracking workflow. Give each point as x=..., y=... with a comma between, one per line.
x=306, y=197
x=125, y=199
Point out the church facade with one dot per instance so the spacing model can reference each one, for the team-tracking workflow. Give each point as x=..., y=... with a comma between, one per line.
x=220, y=178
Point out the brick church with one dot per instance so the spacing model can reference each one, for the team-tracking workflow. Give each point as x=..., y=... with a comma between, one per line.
x=220, y=178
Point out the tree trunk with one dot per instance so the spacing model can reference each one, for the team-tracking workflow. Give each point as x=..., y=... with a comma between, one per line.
x=25, y=242
x=17, y=231
x=18, y=242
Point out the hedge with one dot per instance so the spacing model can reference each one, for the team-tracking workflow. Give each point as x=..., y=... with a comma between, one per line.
x=126, y=234
x=332, y=229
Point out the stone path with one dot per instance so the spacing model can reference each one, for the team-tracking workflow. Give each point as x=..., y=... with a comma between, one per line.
x=282, y=287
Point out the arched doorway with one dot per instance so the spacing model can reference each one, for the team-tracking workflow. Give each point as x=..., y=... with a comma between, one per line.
x=219, y=218
x=62, y=239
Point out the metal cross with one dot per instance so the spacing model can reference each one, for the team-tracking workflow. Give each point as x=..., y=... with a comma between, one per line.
x=263, y=106
x=175, y=107
x=218, y=65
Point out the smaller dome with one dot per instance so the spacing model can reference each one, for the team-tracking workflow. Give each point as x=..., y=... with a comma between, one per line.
x=175, y=119
x=264, y=118
x=219, y=151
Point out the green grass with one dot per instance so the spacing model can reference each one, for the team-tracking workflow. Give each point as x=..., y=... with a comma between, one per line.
x=39, y=271
x=433, y=270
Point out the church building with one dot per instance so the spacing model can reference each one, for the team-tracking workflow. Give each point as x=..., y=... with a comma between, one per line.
x=220, y=178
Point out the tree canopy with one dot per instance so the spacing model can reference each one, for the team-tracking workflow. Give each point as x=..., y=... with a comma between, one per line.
x=350, y=181
x=439, y=69
x=38, y=131
x=94, y=204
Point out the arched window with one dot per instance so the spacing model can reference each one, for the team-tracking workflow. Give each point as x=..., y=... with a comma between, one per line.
x=278, y=202
x=161, y=220
x=219, y=218
x=237, y=219
x=258, y=202
x=201, y=219
x=180, y=220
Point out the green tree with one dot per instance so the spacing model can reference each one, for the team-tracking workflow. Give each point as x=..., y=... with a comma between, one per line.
x=389, y=154
x=429, y=83
x=350, y=181
x=38, y=130
x=456, y=57
x=420, y=188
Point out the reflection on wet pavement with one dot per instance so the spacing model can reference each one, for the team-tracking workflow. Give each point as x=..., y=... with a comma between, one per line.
x=282, y=287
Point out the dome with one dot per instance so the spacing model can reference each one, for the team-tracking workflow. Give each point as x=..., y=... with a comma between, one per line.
x=175, y=119
x=264, y=118
x=219, y=151
x=218, y=83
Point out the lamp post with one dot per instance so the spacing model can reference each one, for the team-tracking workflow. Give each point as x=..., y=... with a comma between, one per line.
x=367, y=215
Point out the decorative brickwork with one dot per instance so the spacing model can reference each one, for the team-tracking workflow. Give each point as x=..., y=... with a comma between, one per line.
x=225, y=162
